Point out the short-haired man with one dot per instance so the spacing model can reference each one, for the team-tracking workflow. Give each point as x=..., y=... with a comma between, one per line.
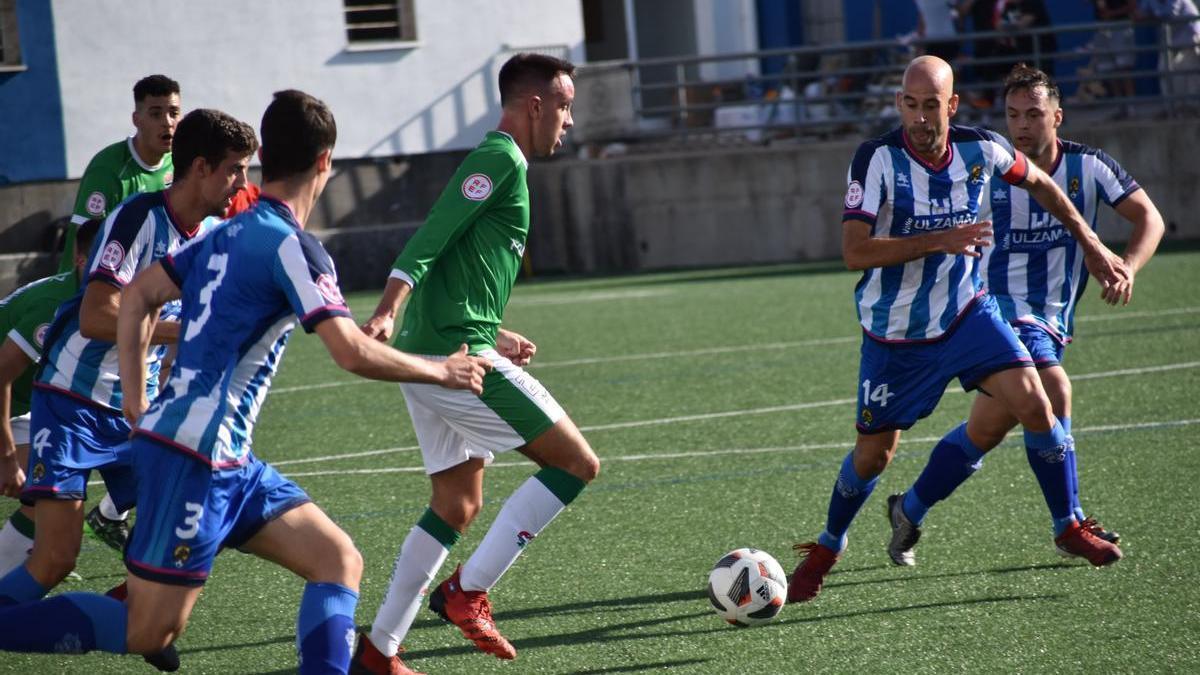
x=200, y=488
x=912, y=224
x=459, y=269
x=76, y=423
x=1035, y=271
x=140, y=163
x=25, y=316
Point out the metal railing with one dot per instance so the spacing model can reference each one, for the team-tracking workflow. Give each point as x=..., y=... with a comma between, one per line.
x=850, y=86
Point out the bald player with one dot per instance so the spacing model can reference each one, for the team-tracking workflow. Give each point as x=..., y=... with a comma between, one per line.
x=911, y=224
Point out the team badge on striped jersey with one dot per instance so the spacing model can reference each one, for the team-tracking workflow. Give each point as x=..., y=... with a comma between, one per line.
x=854, y=195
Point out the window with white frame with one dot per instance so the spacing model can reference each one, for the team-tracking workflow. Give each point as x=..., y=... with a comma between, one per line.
x=380, y=21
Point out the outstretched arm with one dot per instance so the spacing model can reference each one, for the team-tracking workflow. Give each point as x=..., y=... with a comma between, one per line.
x=1106, y=266
x=355, y=352
x=100, y=309
x=380, y=325
x=139, y=306
x=862, y=251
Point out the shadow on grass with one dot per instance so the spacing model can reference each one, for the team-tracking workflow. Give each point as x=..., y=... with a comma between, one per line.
x=614, y=632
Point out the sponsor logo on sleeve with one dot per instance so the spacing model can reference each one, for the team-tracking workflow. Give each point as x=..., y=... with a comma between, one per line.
x=477, y=187
x=96, y=204
x=854, y=195
x=39, y=335
x=112, y=256
x=328, y=287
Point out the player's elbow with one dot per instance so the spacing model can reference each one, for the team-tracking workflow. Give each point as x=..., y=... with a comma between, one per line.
x=854, y=260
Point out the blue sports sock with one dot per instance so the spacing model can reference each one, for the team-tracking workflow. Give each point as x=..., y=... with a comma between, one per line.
x=71, y=623
x=1047, y=455
x=953, y=460
x=325, y=628
x=19, y=586
x=1072, y=468
x=849, y=494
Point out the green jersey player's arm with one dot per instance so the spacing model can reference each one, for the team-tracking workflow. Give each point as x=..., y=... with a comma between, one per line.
x=862, y=251
x=13, y=363
x=449, y=218
x=99, y=191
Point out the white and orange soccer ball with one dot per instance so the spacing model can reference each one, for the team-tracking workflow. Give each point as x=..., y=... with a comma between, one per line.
x=747, y=587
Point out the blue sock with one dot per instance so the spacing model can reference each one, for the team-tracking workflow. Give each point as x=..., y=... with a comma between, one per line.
x=951, y=463
x=1072, y=468
x=325, y=628
x=1047, y=455
x=71, y=623
x=849, y=494
x=19, y=586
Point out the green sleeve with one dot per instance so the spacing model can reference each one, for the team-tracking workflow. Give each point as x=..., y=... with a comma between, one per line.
x=99, y=191
x=480, y=181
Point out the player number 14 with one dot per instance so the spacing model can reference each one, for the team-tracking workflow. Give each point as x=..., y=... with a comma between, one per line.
x=878, y=395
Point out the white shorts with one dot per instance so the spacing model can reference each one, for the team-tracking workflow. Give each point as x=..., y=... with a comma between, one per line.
x=20, y=429
x=455, y=425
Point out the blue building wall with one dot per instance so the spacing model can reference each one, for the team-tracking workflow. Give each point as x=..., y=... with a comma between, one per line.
x=31, y=115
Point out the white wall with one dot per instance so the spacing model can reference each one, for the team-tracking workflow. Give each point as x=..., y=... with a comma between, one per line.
x=726, y=27
x=232, y=55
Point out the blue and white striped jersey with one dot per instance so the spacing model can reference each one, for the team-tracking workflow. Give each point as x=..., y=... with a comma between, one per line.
x=900, y=195
x=243, y=286
x=138, y=233
x=1035, y=269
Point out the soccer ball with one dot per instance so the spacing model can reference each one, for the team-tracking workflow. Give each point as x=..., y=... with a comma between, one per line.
x=747, y=587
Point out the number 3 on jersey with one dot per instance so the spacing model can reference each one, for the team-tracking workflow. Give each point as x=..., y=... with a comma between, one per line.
x=878, y=395
x=191, y=522
x=217, y=264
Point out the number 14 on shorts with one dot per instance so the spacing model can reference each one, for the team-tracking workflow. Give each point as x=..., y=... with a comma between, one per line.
x=879, y=394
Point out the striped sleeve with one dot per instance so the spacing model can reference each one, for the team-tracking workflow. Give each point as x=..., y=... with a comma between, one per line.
x=126, y=234
x=305, y=273
x=1115, y=184
x=1010, y=163
x=865, y=189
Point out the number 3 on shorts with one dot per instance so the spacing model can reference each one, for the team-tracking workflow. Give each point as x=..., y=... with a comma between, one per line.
x=879, y=395
x=191, y=522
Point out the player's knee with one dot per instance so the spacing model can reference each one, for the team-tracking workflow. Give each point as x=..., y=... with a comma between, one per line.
x=460, y=511
x=585, y=465
x=1034, y=411
x=52, y=564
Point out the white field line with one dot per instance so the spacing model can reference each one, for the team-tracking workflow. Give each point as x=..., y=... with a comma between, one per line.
x=732, y=451
x=717, y=415
x=732, y=349
x=738, y=413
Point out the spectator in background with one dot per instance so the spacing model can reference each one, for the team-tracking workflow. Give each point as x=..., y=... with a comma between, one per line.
x=1119, y=41
x=984, y=16
x=935, y=22
x=1183, y=47
x=1023, y=15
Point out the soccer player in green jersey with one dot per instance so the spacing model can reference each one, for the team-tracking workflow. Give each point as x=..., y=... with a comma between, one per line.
x=140, y=163
x=459, y=269
x=25, y=315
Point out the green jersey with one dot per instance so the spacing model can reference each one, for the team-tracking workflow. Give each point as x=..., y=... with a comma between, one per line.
x=113, y=175
x=25, y=315
x=464, y=259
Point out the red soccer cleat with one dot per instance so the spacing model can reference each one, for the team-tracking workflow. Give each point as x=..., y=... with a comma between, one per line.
x=1081, y=542
x=815, y=562
x=370, y=661
x=472, y=613
x=1092, y=525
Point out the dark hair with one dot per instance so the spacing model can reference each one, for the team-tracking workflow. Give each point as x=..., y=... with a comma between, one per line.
x=210, y=134
x=154, y=85
x=525, y=71
x=296, y=129
x=85, y=233
x=1024, y=76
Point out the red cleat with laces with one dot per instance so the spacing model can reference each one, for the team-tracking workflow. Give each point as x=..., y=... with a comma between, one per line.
x=1082, y=542
x=815, y=562
x=368, y=660
x=472, y=613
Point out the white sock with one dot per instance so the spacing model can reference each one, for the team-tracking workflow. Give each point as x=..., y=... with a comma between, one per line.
x=522, y=517
x=109, y=510
x=14, y=548
x=421, y=555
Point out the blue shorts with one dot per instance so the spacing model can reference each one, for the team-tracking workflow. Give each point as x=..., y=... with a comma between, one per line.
x=900, y=383
x=68, y=438
x=1044, y=346
x=188, y=512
